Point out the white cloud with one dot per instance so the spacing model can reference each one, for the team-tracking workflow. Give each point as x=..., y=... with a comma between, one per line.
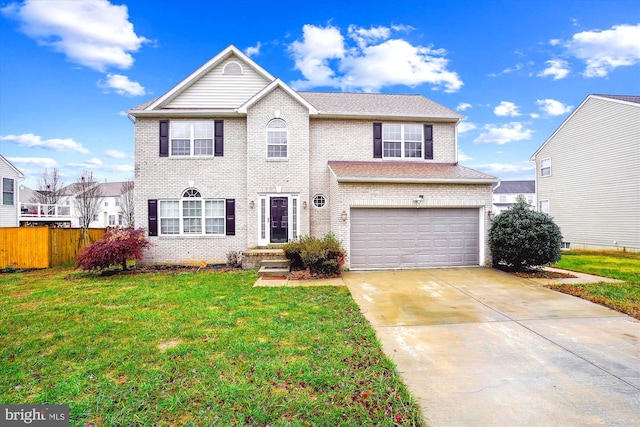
x=554, y=42
x=506, y=109
x=98, y=165
x=122, y=85
x=517, y=67
x=603, y=51
x=463, y=157
x=325, y=58
x=503, y=168
x=42, y=162
x=553, y=107
x=556, y=68
x=253, y=50
x=504, y=134
x=463, y=106
x=96, y=34
x=57, y=144
x=116, y=154
x=534, y=115
x=466, y=127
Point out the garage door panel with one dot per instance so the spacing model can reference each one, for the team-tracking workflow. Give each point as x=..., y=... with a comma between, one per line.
x=405, y=238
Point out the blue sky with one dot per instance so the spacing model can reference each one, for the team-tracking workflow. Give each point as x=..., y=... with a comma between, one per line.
x=516, y=69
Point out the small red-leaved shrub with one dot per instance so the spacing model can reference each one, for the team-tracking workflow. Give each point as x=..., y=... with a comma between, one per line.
x=115, y=248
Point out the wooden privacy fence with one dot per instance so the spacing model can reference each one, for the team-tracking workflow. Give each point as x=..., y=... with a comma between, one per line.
x=43, y=247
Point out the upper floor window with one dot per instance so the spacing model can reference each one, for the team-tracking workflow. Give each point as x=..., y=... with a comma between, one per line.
x=503, y=199
x=8, y=191
x=192, y=215
x=277, y=139
x=545, y=167
x=400, y=140
x=191, y=138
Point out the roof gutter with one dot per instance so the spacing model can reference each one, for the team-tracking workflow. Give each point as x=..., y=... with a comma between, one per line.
x=185, y=113
x=356, y=179
x=322, y=115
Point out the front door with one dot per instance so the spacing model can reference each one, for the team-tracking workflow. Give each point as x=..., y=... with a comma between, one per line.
x=279, y=220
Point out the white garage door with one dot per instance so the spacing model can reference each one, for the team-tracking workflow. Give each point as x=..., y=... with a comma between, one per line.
x=406, y=238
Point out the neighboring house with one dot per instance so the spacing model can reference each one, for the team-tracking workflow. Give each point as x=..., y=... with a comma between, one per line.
x=505, y=194
x=10, y=202
x=109, y=213
x=588, y=174
x=232, y=158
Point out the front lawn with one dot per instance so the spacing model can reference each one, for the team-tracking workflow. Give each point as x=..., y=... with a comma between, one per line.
x=194, y=349
x=624, y=297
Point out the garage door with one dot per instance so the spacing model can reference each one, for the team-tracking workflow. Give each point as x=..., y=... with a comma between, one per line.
x=406, y=238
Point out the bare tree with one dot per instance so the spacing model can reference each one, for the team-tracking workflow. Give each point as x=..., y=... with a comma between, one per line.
x=127, y=203
x=88, y=198
x=49, y=188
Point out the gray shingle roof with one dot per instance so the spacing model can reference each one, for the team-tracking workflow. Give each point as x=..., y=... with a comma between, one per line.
x=378, y=104
x=627, y=98
x=405, y=172
x=516, y=187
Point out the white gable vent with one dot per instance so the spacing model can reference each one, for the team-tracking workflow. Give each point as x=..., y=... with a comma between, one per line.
x=232, y=68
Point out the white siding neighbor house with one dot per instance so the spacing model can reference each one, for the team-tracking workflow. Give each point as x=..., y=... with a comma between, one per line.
x=10, y=201
x=109, y=213
x=505, y=194
x=588, y=174
x=232, y=158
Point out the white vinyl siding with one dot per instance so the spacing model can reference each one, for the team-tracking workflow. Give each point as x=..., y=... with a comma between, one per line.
x=594, y=187
x=216, y=90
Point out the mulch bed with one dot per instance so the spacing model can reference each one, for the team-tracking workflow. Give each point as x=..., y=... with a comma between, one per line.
x=307, y=275
x=542, y=274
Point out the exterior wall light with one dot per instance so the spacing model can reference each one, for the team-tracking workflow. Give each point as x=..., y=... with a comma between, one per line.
x=252, y=204
x=490, y=214
x=304, y=204
x=343, y=216
x=419, y=200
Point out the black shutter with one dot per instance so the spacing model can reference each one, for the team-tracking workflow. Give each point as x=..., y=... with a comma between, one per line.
x=218, y=149
x=152, y=213
x=164, y=138
x=377, y=140
x=231, y=217
x=428, y=142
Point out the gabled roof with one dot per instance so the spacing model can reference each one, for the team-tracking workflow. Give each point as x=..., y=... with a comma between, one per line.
x=277, y=83
x=632, y=100
x=515, y=187
x=212, y=63
x=111, y=189
x=378, y=105
x=407, y=172
x=4, y=159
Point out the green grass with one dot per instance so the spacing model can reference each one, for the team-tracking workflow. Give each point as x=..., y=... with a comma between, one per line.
x=193, y=349
x=624, y=297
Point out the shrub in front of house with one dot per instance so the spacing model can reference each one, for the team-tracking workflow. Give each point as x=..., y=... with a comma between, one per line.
x=320, y=256
x=521, y=238
x=116, y=248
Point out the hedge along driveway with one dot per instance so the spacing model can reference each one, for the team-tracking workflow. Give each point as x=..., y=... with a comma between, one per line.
x=193, y=349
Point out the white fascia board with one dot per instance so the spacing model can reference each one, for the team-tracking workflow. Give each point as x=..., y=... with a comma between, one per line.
x=185, y=113
x=20, y=174
x=231, y=49
x=419, y=180
x=373, y=116
x=270, y=87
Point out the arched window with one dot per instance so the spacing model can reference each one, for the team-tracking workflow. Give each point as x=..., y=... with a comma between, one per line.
x=232, y=68
x=192, y=215
x=277, y=139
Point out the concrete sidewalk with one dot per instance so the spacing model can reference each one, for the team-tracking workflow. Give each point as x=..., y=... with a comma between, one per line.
x=480, y=347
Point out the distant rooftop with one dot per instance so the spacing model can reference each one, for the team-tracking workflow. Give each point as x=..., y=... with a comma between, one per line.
x=515, y=187
x=628, y=98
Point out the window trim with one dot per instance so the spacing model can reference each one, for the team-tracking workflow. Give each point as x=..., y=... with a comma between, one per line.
x=324, y=201
x=192, y=195
x=548, y=206
x=542, y=175
x=403, y=141
x=192, y=139
x=284, y=130
x=11, y=190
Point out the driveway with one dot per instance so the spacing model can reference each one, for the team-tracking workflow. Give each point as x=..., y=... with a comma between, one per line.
x=480, y=347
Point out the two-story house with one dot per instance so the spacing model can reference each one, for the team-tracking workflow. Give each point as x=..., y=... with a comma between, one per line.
x=505, y=194
x=232, y=158
x=10, y=201
x=588, y=174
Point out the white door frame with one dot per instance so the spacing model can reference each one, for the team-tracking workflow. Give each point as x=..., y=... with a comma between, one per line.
x=264, y=213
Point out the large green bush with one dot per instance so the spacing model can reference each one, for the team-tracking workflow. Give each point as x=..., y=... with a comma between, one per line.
x=521, y=238
x=320, y=256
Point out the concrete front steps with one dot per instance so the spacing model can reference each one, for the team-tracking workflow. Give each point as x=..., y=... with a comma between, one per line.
x=270, y=262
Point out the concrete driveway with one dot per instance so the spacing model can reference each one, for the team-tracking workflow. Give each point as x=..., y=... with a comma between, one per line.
x=479, y=347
